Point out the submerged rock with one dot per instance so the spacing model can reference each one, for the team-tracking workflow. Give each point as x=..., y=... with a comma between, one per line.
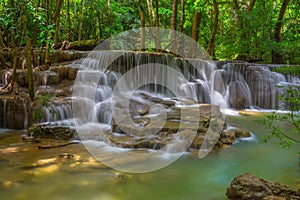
x=248, y=186
x=146, y=131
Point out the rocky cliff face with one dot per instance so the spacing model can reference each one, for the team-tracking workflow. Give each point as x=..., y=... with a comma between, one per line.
x=14, y=112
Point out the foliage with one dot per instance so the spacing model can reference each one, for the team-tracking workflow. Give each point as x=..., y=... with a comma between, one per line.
x=288, y=70
x=44, y=99
x=242, y=33
x=42, y=102
x=278, y=123
x=12, y=19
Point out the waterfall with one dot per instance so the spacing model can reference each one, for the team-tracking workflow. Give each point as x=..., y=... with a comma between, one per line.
x=236, y=85
x=254, y=85
x=135, y=93
x=58, y=113
x=116, y=87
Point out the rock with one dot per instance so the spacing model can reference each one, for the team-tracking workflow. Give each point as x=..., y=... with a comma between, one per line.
x=155, y=99
x=58, y=133
x=248, y=186
x=64, y=56
x=87, y=45
x=197, y=142
x=138, y=106
x=168, y=102
x=72, y=73
x=239, y=131
x=47, y=78
x=242, y=133
x=14, y=112
x=227, y=136
x=52, y=91
x=65, y=72
x=39, y=78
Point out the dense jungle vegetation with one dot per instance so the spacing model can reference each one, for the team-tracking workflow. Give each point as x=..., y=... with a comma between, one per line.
x=256, y=30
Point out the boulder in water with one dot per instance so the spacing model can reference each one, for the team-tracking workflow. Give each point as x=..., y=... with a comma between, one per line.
x=248, y=186
x=51, y=132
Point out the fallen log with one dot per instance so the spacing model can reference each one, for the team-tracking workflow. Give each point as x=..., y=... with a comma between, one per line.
x=57, y=146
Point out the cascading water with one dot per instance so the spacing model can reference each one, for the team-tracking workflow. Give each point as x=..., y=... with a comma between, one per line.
x=254, y=85
x=198, y=73
x=233, y=85
x=59, y=113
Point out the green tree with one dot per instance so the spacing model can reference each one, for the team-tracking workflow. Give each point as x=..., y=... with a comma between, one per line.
x=277, y=57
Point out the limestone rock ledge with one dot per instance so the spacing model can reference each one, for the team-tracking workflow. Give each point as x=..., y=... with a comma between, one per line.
x=248, y=186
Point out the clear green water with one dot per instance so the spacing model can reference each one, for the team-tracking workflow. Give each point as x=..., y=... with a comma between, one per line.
x=187, y=178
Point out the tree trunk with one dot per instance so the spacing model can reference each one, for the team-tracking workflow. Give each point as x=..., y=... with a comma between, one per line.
x=14, y=74
x=196, y=26
x=211, y=45
x=47, y=51
x=56, y=19
x=69, y=20
x=50, y=10
x=142, y=19
x=99, y=24
x=173, y=45
x=251, y=6
x=56, y=30
x=149, y=5
x=34, y=32
x=28, y=65
x=2, y=44
x=57, y=10
x=237, y=15
x=157, y=34
x=182, y=19
x=195, y=33
x=81, y=20
x=276, y=56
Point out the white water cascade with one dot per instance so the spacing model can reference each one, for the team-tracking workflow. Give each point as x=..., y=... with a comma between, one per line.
x=235, y=85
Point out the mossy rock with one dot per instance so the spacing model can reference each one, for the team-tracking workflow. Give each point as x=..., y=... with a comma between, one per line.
x=47, y=132
x=86, y=45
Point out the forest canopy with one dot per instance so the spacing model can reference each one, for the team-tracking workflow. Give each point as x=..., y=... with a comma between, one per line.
x=262, y=30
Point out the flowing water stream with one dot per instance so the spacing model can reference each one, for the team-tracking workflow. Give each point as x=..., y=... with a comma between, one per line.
x=72, y=173
x=27, y=173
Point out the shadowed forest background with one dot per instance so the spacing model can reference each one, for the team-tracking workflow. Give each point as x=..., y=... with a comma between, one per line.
x=262, y=30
